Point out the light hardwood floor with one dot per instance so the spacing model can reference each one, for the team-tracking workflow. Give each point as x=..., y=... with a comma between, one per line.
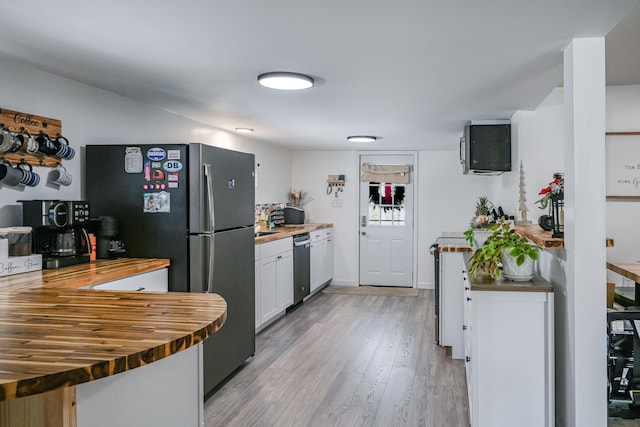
x=347, y=360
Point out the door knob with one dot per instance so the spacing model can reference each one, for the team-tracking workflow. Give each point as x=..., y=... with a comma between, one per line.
x=364, y=233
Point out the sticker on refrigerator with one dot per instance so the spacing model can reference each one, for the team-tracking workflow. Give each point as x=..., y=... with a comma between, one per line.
x=156, y=165
x=172, y=166
x=132, y=160
x=173, y=177
x=156, y=154
x=156, y=202
x=158, y=175
x=147, y=170
x=173, y=154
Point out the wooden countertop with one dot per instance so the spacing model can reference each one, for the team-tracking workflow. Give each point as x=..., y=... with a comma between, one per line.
x=543, y=238
x=53, y=336
x=454, y=247
x=502, y=285
x=291, y=230
x=78, y=276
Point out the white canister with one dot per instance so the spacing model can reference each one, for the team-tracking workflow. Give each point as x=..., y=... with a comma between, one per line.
x=4, y=243
x=19, y=239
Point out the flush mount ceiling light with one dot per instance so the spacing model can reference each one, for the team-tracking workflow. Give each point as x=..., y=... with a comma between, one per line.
x=283, y=80
x=244, y=130
x=362, y=138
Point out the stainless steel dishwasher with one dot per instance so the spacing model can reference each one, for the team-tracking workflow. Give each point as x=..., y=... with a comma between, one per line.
x=301, y=268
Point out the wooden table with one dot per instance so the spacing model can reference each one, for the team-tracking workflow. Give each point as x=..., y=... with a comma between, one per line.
x=630, y=270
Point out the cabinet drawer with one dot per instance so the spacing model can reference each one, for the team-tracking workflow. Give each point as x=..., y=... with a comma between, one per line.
x=273, y=248
x=327, y=232
x=324, y=233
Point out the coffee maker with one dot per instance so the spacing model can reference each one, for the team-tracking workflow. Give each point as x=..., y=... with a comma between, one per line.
x=59, y=231
x=107, y=243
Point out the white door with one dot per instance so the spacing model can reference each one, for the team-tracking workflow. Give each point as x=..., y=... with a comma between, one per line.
x=386, y=226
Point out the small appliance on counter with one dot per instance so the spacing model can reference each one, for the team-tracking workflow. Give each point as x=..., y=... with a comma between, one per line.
x=293, y=215
x=59, y=231
x=15, y=252
x=107, y=243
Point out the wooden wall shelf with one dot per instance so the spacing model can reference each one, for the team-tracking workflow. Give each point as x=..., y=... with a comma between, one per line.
x=16, y=121
x=543, y=238
x=15, y=158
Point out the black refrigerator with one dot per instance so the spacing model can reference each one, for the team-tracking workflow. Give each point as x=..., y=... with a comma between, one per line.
x=193, y=204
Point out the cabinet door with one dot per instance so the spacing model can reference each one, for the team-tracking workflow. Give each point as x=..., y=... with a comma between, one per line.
x=153, y=281
x=284, y=280
x=317, y=264
x=327, y=266
x=268, y=290
x=257, y=284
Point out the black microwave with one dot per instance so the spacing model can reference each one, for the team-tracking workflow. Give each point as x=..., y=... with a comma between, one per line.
x=486, y=149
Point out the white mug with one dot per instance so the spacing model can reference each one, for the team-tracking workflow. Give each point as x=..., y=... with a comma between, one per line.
x=60, y=176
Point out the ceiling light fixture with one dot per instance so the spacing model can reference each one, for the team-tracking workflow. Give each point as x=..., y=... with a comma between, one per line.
x=362, y=138
x=244, y=130
x=283, y=80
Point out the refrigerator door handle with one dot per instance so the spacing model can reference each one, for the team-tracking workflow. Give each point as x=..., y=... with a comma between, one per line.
x=208, y=177
x=211, y=265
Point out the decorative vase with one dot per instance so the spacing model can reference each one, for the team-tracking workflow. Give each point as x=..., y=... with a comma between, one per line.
x=512, y=271
x=479, y=237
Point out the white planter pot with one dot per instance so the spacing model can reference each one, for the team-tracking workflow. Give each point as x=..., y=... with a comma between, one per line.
x=515, y=272
x=479, y=237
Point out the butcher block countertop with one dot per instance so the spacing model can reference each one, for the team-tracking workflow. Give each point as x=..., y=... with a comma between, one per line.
x=54, y=335
x=78, y=276
x=291, y=230
x=538, y=284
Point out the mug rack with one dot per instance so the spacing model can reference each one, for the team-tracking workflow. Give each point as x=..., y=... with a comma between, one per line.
x=335, y=180
x=15, y=121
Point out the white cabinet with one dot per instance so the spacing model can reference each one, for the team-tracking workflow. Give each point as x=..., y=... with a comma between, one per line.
x=257, y=296
x=153, y=281
x=321, y=268
x=451, y=306
x=167, y=392
x=509, y=354
x=274, y=280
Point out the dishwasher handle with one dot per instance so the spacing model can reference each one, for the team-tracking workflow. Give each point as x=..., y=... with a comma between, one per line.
x=297, y=243
x=301, y=240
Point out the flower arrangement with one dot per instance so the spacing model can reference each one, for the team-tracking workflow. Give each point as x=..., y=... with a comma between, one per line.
x=555, y=187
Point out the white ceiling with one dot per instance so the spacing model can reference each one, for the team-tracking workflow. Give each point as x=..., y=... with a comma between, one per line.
x=412, y=72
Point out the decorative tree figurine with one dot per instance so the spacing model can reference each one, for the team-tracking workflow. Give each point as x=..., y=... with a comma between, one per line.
x=523, y=200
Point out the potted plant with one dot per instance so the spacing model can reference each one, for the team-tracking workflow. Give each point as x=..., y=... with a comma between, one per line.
x=507, y=248
x=477, y=232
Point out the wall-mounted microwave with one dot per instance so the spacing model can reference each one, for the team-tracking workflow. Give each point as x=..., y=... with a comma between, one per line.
x=485, y=149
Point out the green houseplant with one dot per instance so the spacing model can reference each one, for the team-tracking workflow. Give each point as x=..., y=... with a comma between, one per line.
x=504, y=247
x=477, y=232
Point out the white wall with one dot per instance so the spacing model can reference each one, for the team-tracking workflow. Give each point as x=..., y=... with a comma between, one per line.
x=446, y=200
x=538, y=141
x=94, y=116
x=309, y=173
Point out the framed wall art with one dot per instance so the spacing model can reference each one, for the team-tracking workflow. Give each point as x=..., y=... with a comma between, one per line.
x=623, y=165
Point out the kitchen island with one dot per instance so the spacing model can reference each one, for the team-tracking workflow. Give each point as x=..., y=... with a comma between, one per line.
x=56, y=338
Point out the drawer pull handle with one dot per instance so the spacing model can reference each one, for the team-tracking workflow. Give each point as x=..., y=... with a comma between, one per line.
x=140, y=289
x=468, y=299
x=468, y=359
x=464, y=327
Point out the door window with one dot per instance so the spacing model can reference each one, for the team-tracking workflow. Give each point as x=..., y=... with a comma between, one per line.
x=386, y=204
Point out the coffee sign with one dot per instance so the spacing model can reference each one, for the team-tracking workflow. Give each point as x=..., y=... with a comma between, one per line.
x=15, y=120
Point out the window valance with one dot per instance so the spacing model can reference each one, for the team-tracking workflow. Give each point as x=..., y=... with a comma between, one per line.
x=394, y=174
